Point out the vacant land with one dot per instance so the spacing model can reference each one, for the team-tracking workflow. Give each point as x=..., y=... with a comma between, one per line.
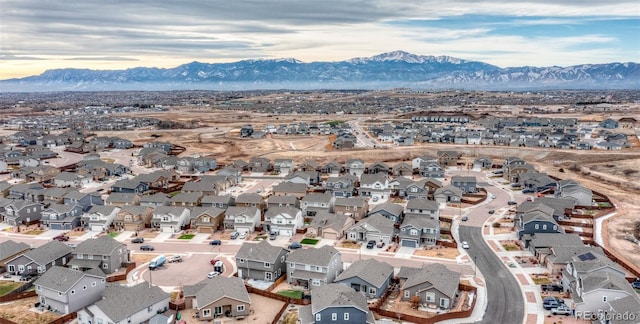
x=22, y=311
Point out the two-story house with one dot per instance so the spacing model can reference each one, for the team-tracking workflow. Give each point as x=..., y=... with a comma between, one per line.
x=99, y=218
x=468, y=184
x=313, y=203
x=250, y=199
x=170, y=219
x=129, y=186
x=392, y=211
x=133, y=218
x=283, y=220
x=207, y=219
x=331, y=168
x=65, y=290
x=61, y=217
x=288, y=188
x=431, y=169
x=355, y=167
x=186, y=199
x=374, y=186
x=40, y=259
x=448, y=158
x=314, y=267
x=283, y=166
x=261, y=261
x=423, y=188
x=369, y=276
x=536, y=221
x=83, y=199
x=336, y=303
x=104, y=253
x=10, y=249
x=122, y=199
x=126, y=304
x=221, y=201
x=448, y=194
x=242, y=219
x=374, y=228
x=418, y=231
x=342, y=186
x=155, y=200
x=283, y=201
x=330, y=226
x=435, y=284
x=222, y=296
x=355, y=207
x=21, y=211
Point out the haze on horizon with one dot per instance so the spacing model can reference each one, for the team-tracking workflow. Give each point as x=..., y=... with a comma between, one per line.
x=36, y=36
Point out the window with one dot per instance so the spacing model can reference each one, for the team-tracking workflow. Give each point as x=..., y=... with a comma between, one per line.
x=282, y=258
x=413, y=231
x=319, y=268
x=217, y=310
x=93, y=284
x=407, y=294
x=555, y=227
x=84, y=287
x=346, y=208
x=79, y=256
x=149, y=309
x=99, y=321
x=346, y=316
x=604, y=298
x=105, y=266
x=105, y=257
x=372, y=290
x=431, y=296
x=334, y=316
x=240, y=308
x=102, y=280
x=206, y=312
x=73, y=292
x=267, y=265
x=537, y=226
x=267, y=276
x=38, y=288
x=318, y=317
x=292, y=265
x=315, y=282
x=241, y=260
x=90, y=256
x=544, y=227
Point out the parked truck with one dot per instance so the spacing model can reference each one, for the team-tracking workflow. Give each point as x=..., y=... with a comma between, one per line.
x=157, y=262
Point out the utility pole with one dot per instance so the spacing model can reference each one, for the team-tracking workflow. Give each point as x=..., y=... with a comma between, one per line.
x=475, y=265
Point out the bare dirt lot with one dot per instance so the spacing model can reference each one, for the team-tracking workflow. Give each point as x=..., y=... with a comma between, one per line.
x=20, y=311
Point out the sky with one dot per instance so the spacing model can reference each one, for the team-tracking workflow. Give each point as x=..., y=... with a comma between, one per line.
x=37, y=35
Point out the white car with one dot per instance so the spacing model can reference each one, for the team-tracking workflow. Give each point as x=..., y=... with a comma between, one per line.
x=243, y=235
x=213, y=274
x=465, y=245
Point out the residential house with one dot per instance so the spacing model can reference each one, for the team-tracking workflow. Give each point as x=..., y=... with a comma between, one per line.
x=222, y=201
x=378, y=168
x=448, y=194
x=283, y=201
x=54, y=195
x=70, y=179
x=369, y=276
x=129, y=186
x=625, y=305
x=418, y=231
x=331, y=168
x=170, y=219
x=309, y=165
x=261, y=261
x=330, y=226
x=313, y=203
x=222, y=296
x=374, y=228
x=82, y=199
x=104, y=253
x=483, y=163
x=314, y=267
x=448, y=158
x=561, y=208
x=283, y=166
x=287, y=188
x=133, y=218
x=435, y=284
x=207, y=219
x=19, y=211
x=402, y=169
x=260, y=165
x=415, y=163
x=204, y=186
x=423, y=188
x=283, y=220
x=65, y=290
x=336, y=303
x=61, y=217
x=374, y=186
x=250, y=200
x=309, y=178
x=242, y=219
x=9, y=250
x=155, y=200
x=468, y=184
x=341, y=186
x=355, y=167
x=536, y=221
x=126, y=304
x=536, y=181
x=40, y=259
x=122, y=199
x=431, y=169
x=186, y=199
x=392, y=211
x=99, y=218
x=582, y=195
x=354, y=207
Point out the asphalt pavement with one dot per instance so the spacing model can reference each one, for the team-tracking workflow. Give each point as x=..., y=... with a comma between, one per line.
x=505, y=302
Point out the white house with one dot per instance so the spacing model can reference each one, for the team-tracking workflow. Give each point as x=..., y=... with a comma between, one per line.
x=242, y=219
x=283, y=220
x=170, y=219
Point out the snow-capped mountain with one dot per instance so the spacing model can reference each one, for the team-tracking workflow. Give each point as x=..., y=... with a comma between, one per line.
x=387, y=70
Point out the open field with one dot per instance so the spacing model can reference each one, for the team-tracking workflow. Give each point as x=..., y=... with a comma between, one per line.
x=20, y=311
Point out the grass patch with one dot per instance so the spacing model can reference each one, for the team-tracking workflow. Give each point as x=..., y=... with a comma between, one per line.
x=290, y=318
x=113, y=234
x=173, y=194
x=309, y=241
x=297, y=294
x=7, y=287
x=260, y=238
x=511, y=247
x=541, y=280
x=186, y=236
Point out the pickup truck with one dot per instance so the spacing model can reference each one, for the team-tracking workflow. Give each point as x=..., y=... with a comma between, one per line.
x=174, y=258
x=552, y=287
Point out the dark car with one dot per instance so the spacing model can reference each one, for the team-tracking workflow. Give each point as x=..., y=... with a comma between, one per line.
x=295, y=246
x=146, y=248
x=215, y=242
x=524, y=191
x=636, y=284
x=491, y=211
x=552, y=302
x=61, y=238
x=371, y=244
x=465, y=218
x=380, y=244
x=552, y=287
x=512, y=202
x=138, y=240
x=234, y=235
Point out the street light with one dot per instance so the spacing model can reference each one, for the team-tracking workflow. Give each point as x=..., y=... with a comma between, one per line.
x=475, y=265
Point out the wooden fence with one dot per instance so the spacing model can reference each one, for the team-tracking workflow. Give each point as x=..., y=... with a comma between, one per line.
x=120, y=277
x=17, y=296
x=615, y=257
x=65, y=318
x=276, y=319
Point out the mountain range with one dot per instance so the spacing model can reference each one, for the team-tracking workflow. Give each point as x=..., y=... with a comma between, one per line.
x=383, y=71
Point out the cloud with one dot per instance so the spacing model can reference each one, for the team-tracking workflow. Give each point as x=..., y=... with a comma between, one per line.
x=102, y=58
x=9, y=57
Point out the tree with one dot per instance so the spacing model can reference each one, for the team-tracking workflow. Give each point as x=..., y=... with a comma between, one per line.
x=415, y=302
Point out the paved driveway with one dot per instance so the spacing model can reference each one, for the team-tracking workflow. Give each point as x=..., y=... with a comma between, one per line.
x=191, y=270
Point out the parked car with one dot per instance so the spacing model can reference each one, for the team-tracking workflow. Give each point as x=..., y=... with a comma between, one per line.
x=561, y=310
x=380, y=244
x=371, y=244
x=512, y=202
x=146, y=247
x=636, y=283
x=516, y=185
x=243, y=235
x=213, y=274
x=465, y=245
x=295, y=246
x=215, y=242
x=214, y=261
x=552, y=287
x=492, y=196
x=273, y=235
x=524, y=191
x=465, y=218
x=552, y=302
x=234, y=235
x=174, y=258
x=138, y=240
x=491, y=211
x=61, y=238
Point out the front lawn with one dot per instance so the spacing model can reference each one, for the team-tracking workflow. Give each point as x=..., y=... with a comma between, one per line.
x=297, y=294
x=186, y=236
x=113, y=234
x=309, y=241
x=260, y=238
x=8, y=286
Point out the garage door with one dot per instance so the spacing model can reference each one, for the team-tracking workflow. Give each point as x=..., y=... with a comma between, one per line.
x=96, y=228
x=167, y=229
x=55, y=226
x=409, y=243
x=205, y=230
x=330, y=235
x=284, y=232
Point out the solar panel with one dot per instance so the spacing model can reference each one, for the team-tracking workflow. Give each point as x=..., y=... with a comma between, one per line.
x=586, y=256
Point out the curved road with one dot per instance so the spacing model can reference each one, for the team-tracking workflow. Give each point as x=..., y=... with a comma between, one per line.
x=505, y=302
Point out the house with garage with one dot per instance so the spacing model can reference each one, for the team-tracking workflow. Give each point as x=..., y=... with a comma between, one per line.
x=448, y=158
x=369, y=277
x=133, y=218
x=250, y=199
x=260, y=165
x=483, y=163
x=221, y=297
x=374, y=186
x=392, y=211
x=309, y=165
x=186, y=199
x=331, y=168
x=435, y=284
x=582, y=195
x=121, y=199
x=355, y=167
x=207, y=219
x=330, y=226
x=126, y=304
x=261, y=261
x=378, y=168
x=402, y=169
x=341, y=186
x=431, y=169
x=83, y=199
x=416, y=162
x=468, y=184
x=103, y=253
x=61, y=217
x=313, y=267
x=536, y=221
x=169, y=219
x=313, y=203
x=283, y=201
x=40, y=259
x=70, y=179
x=283, y=166
x=448, y=194
x=64, y=290
x=336, y=303
x=419, y=230
x=354, y=207
x=242, y=219
x=283, y=220
x=99, y=218
x=373, y=228
x=287, y=188
x=129, y=186
x=9, y=250
x=309, y=178
x=423, y=188
x=19, y=211
x=155, y=200
x=222, y=201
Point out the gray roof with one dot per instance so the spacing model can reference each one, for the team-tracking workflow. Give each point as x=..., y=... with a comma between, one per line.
x=292, y=187
x=325, y=219
x=337, y=295
x=75, y=194
x=251, y=198
x=235, y=211
x=626, y=305
x=318, y=197
x=60, y=208
x=420, y=221
x=122, y=197
x=262, y=251
x=189, y=197
x=291, y=200
x=463, y=179
x=379, y=222
x=211, y=211
x=286, y=212
x=315, y=256
x=528, y=206
x=169, y=210
x=103, y=245
x=192, y=290
x=537, y=215
x=222, y=287
x=119, y=301
x=48, y=252
x=9, y=248
x=62, y=279
x=605, y=280
x=216, y=199
x=353, y=201
x=453, y=189
x=439, y=276
x=369, y=179
x=370, y=270
x=392, y=208
x=104, y=210
x=157, y=197
x=555, y=240
x=565, y=254
x=135, y=209
x=421, y=203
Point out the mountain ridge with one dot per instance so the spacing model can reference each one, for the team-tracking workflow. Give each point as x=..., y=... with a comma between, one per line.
x=385, y=70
